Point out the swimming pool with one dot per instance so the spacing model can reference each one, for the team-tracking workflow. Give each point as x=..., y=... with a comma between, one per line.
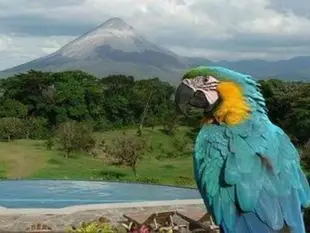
x=58, y=194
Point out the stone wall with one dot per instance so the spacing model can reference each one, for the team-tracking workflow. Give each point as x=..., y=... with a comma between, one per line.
x=18, y=220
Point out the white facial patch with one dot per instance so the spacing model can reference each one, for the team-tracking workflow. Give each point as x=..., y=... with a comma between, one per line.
x=205, y=84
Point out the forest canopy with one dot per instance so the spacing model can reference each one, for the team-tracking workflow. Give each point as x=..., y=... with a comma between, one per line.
x=40, y=101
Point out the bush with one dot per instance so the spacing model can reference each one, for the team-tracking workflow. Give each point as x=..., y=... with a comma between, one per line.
x=111, y=175
x=127, y=151
x=93, y=227
x=148, y=180
x=50, y=143
x=36, y=128
x=305, y=157
x=75, y=136
x=184, y=180
x=11, y=128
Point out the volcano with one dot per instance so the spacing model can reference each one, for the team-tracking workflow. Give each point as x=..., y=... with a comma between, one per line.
x=114, y=47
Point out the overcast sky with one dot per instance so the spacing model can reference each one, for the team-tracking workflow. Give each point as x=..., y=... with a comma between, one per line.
x=215, y=29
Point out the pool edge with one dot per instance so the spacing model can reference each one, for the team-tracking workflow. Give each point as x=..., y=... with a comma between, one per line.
x=90, y=207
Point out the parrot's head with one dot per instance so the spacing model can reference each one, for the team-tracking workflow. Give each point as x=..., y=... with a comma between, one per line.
x=226, y=96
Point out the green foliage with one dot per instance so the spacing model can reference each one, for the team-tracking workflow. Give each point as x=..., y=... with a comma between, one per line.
x=113, y=102
x=93, y=227
x=184, y=180
x=36, y=128
x=12, y=108
x=50, y=143
x=11, y=128
x=170, y=121
x=111, y=175
x=305, y=157
x=75, y=136
x=147, y=180
x=181, y=144
x=289, y=107
x=127, y=151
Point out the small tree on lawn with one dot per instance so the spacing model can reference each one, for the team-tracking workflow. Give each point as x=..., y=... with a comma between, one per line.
x=35, y=127
x=127, y=151
x=170, y=123
x=74, y=136
x=11, y=127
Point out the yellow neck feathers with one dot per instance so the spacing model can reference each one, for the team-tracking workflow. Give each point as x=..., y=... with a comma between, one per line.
x=233, y=108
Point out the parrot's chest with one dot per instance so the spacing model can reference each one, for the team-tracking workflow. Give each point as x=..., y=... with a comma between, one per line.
x=212, y=143
x=210, y=152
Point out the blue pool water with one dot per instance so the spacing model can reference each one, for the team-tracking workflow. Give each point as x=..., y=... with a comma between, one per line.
x=58, y=194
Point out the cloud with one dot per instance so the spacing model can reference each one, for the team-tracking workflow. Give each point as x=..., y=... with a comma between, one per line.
x=216, y=29
x=16, y=50
x=300, y=7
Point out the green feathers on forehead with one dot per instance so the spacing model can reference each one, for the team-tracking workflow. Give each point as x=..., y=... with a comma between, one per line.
x=222, y=74
x=204, y=71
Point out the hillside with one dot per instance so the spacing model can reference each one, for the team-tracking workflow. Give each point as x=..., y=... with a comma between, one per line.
x=29, y=159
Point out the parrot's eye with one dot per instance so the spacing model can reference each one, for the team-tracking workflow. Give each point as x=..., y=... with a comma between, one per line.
x=205, y=79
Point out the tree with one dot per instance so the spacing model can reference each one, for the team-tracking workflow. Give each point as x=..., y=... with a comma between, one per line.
x=289, y=107
x=75, y=136
x=305, y=156
x=127, y=151
x=36, y=127
x=170, y=120
x=151, y=96
x=118, y=93
x=13, y=108
x=11, y=127
x=27, y=89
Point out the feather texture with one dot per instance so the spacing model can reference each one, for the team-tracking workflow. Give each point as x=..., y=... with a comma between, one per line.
x=249, y=174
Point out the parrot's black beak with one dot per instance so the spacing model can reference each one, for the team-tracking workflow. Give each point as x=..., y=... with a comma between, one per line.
x=185, y=96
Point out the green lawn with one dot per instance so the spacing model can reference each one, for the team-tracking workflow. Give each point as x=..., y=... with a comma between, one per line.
x=28, y=159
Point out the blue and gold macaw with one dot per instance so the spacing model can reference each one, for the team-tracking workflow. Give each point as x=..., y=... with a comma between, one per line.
x=247, y=170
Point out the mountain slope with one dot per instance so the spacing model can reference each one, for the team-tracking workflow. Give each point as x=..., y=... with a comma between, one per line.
x=112, y=48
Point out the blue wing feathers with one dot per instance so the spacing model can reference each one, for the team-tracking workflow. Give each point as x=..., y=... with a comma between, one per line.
x=292, y=211
x=232, y=177
x=269, y=210
x=232, y=174
x=304, y=191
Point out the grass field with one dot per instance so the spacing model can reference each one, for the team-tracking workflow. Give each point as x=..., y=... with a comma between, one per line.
x=29, y=159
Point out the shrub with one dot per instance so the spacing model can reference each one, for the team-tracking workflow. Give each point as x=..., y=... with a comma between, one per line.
x=127, y=151
x=111, y=175
x=305, y=157
x=36, y=128
x=11, y=128
x=50, y=143
x=93, y=227
x=75, y=136
x=148, y=180
x=184, y=180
